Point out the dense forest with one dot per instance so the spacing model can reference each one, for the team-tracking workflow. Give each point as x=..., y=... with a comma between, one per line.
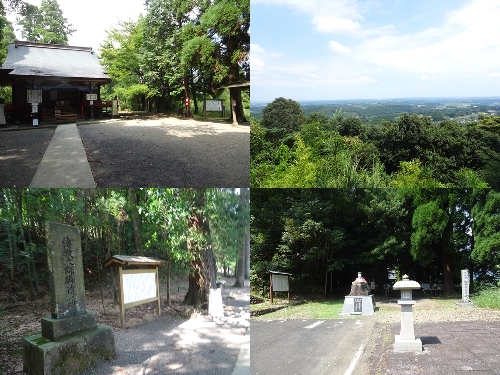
x=199, y=231
x=179, y=49
x=291, y=149
x=323, y=237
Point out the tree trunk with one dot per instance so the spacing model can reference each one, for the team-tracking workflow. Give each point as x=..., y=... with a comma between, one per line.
x=240, y=266
x=447, y=272
x=201, y=275
x=136, y=220
x=238, y=115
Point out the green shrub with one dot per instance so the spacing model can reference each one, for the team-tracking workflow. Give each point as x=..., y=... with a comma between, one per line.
x=488, y=298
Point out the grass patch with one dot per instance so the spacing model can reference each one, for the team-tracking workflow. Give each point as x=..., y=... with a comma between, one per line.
x=309, y=310
x=488, y=298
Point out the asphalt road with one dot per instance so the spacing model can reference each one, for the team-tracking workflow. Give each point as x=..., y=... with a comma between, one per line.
x=304, y=347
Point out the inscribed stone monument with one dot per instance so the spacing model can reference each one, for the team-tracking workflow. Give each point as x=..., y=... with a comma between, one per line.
x=71, y=340
x=359, y=301
x=465, y=289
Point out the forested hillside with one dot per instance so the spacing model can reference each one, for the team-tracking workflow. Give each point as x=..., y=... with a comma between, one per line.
x=184, y=226
x=323, y=237
x=291, y=149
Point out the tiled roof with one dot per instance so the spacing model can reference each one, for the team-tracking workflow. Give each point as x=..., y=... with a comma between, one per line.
x=53, y=60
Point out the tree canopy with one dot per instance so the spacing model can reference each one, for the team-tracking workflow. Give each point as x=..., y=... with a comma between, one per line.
x=289, y=149
x=198, y=230
x=323, y=237
x=44, y=24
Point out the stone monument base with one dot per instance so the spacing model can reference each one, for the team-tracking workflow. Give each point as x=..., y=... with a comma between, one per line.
x=405, y=345
x=71, y=355
x=366, y=308
x=462, y=303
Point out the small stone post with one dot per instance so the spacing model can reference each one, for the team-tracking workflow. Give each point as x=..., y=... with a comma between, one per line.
x=406, y=341
x=465, y=289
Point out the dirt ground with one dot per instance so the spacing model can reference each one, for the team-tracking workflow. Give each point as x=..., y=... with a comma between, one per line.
x=20, y=315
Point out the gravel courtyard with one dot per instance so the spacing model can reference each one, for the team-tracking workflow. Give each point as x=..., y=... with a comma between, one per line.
x=141, y=152
x=168, y=151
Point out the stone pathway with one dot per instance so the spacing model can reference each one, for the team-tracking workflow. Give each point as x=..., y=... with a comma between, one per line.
x=450, y=348
x=200, y=345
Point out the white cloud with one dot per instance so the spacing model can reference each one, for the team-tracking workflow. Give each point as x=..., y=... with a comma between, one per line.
x=255, y=48
x=337, y=47
x=329, y=24
x=495, y=74
x=365, y=79
x=328, y=16
x=464, y=43
x=427, y=78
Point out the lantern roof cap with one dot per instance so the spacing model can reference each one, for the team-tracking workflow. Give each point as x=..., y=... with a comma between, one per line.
x=406, y=283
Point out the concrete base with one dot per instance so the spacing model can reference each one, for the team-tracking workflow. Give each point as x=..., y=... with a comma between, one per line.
x=401, y=345
x=69, y=356
x=58, y=329
x=461, y=303
x=367, y=305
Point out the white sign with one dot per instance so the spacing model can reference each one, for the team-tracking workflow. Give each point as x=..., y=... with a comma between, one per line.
x=213, y=105
x=34, y=96
x=138, y=286
x=91, y=96
x=280, y=283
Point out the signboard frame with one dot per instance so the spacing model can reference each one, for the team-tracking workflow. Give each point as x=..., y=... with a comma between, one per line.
x=123, y=273
x=91, y=96
x=214, y=105
x=279, y=280
x=34, y=96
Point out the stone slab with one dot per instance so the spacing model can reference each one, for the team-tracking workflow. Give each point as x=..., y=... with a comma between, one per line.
x=69, y=356
x=64, y=256
x=64, y=163
x=351, y=305
x=58, y=329
x=401, y=345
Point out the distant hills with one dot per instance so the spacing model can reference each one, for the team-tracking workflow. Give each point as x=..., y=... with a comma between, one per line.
x=373, y=111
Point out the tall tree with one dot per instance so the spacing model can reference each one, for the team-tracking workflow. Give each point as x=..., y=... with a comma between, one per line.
x=45, y=24
x=241, y=260
x=162, y=46
x=201, y=275
x=226, y=44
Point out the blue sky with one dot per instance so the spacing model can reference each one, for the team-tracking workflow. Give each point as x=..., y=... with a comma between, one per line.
x=371, y=49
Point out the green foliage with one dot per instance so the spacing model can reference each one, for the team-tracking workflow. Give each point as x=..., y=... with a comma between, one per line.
x=45, y=24
x=488, y=298
x=410, y=151
x=281, y=118
x=486, y=229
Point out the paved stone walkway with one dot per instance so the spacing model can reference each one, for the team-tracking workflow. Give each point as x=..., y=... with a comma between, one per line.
x=64, y=163
x=450, y=348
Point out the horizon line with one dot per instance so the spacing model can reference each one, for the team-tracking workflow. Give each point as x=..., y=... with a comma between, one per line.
x=401, y=98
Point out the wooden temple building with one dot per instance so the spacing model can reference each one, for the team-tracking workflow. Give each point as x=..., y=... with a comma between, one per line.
x=57, y=78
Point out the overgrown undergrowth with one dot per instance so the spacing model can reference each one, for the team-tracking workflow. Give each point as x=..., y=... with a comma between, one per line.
x=488, y=298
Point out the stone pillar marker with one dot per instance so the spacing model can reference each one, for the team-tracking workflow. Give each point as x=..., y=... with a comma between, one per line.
x=465, y=289
x=71, y=340
x=406, y=341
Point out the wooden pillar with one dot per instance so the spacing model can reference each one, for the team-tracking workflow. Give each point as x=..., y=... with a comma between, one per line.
x=122, y=306
x=271, y=289
x=158, y=309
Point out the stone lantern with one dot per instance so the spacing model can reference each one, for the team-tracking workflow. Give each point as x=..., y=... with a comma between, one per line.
x=406, y=341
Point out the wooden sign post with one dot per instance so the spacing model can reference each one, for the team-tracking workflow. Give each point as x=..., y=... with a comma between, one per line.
x=137, y=286
x=279, y=283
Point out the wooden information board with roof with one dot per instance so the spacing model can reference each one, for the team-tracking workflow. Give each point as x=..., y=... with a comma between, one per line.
x=137, y=286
